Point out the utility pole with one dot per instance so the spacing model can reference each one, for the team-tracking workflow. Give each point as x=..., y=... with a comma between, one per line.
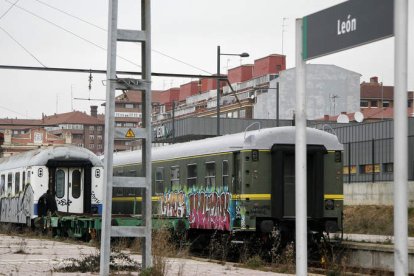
x=283, y=30
x=142, y=36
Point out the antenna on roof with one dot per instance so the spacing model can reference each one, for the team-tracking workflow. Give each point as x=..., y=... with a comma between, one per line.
x=342, y=119
x=358, y=116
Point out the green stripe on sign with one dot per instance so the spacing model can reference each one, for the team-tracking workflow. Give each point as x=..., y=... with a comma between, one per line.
x=305, y=38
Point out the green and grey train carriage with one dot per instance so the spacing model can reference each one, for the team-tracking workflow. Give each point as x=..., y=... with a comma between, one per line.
x=72, y=175
x=239, y=183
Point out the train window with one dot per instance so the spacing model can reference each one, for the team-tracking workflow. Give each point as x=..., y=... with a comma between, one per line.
x=210, y=179
x=76, y=184
x=191, y=175
x=17, y=183
x=2, y=183
x=159, y=180
x=175, y=177
x=225, y=173
x=23, y=180
x=60, y=183
x=9, y=182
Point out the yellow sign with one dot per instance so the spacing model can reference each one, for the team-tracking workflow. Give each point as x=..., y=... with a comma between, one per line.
x=130, y=134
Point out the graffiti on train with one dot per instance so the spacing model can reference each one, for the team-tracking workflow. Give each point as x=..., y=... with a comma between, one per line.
x=210, y=210
x=204, y=210
x=173, y=204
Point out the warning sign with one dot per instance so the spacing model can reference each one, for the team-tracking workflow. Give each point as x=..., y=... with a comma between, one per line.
x=130, y=134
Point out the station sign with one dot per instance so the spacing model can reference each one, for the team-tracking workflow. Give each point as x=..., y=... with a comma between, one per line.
x=347, y=25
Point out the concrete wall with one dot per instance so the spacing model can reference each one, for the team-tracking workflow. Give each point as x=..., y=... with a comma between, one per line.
x=377, y=193
x=323, y=82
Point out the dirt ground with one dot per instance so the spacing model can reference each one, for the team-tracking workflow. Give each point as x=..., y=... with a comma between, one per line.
x=32, y=256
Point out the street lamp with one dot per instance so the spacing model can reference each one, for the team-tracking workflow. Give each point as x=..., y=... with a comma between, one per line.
x=218, y=82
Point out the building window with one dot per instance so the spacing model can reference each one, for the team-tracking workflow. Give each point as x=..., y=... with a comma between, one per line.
x=175, y=178
x=129, y=105
x=385, y=103
x=99, y=128
x=80, y=145
x=159, y=180
x=210, y=179
x=99, y=146
x=191, y=175
x=347, y=169
x=91, y=146
x=91, y=128
x=91, y=137
x=99, y=137
x=242, y=113
x=388, y=167
x=374, y=103
x=364, y=103
x=367, y=169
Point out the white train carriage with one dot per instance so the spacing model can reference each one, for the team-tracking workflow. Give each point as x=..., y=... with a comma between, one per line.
x=72, y=175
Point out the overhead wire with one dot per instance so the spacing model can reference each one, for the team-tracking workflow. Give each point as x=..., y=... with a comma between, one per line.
x=105, y=30
x=21, y=45
x=8, y=109
x=14, y=39
x=71, y=15
x=70, y=32
x=7, y=11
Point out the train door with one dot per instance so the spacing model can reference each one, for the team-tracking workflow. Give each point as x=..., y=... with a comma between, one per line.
x=236, y=175
x=283, y=181
x=69, y=189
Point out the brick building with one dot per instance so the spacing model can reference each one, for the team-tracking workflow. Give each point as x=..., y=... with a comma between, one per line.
x=376, y=95
x=84, y=130
x=199, y=98
x=32, y=139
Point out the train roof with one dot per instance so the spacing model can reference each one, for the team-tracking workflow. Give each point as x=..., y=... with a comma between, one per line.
x=40, y=157
x=262, y=139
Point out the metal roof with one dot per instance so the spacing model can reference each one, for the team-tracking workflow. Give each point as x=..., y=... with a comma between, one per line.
x=262, y=139
x=41, y=156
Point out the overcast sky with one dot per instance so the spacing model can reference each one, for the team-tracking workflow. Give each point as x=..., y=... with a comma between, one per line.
x=186, y=30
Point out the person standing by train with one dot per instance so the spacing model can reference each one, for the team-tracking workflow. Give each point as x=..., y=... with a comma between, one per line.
x=47, y=204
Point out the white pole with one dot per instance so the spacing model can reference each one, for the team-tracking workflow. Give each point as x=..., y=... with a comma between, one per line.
x=400, y=138
x=300, y=158
x=109, y=138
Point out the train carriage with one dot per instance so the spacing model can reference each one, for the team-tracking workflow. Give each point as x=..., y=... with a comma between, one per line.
x=71, y=175
x=239, y=183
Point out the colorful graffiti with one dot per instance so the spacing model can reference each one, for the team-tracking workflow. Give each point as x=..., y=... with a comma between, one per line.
x=210, y=210
x=173, y=204
x=205, y=210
